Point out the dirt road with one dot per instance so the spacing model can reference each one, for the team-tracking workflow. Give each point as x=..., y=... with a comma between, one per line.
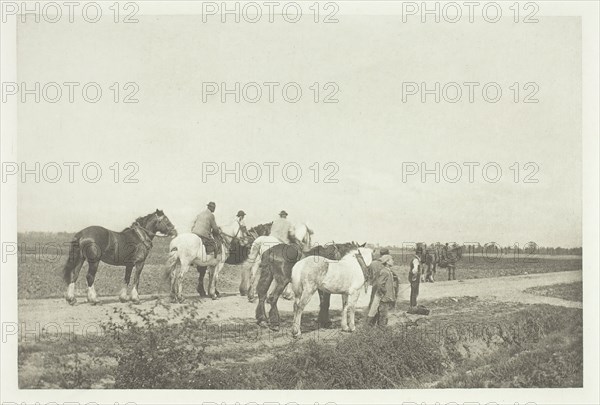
x=231, y=306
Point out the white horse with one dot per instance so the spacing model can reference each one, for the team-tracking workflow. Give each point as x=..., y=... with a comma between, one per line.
x=188, y=250
x=251, y=269
x=346, y=276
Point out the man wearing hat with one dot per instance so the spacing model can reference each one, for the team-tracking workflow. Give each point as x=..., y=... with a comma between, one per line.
x=282, y=228
x=239, y=218
x=414, y=278
x=384, y=290
x=205, y=226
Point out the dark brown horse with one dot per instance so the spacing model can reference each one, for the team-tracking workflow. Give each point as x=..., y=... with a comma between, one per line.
x=128, y=248
x=276, y=265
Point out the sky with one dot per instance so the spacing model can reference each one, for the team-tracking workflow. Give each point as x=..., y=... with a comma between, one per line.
x=367, y=137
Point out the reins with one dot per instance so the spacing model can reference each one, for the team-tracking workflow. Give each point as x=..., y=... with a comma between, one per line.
x=145, y=240
x=363, y=267
x=225, y=241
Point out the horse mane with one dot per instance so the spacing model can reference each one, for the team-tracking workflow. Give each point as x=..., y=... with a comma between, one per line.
x=262, y=229
x=331, y=249
x=140, y=220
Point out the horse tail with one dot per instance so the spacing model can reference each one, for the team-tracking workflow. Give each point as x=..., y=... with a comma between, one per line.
x=266, y=278
x=73, y=259
x=172, y=262
x=254, y=251
x=296, y=280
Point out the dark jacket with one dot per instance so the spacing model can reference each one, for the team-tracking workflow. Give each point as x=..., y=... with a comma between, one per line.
x=385, y=286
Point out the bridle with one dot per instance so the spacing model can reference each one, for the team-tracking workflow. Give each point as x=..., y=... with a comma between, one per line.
x=363, y=266
x=149, y=233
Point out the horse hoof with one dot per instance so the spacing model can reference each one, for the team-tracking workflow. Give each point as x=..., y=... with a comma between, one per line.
x=136, y=301
x=214, y=297
x=274, y=328
x=251, y=300
x=123, y=299
x=94, y=302
x=263, y=324
x=181, y=299
x=72, y=301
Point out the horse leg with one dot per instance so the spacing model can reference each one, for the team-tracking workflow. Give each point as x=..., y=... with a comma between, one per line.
x=213, y=276
x=74, y=274
x=288, y=294
x=178, y=297
x=200, y=287
x=175, y=274
x=91, y=276
x=245, y=280
x=254, y=279
x=274, y=312
x=345, y=313
x=136, y=282
x=299, y=303
x=218, y=269
x=325, y=299
x=123, y=297
x=352, y=300
x=263, y=287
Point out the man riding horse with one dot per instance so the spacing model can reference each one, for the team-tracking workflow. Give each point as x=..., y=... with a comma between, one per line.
x=205, y=226
x=282, y=228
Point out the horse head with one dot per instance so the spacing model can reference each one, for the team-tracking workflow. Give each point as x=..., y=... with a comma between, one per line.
x=158, y=222
x=366, y=254
x=303, y=235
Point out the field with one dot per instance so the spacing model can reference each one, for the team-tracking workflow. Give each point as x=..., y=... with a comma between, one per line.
x=520, y=332
x=40, y=269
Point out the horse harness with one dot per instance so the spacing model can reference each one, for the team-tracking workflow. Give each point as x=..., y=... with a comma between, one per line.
x=144, y=236
x=225, y=241
x=363, y=266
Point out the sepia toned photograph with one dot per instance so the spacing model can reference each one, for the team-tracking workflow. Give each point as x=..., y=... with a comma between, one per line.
x=299, y=202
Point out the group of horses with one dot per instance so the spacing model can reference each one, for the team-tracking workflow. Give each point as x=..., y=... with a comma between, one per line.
x=436, y=256
x=269, y=266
